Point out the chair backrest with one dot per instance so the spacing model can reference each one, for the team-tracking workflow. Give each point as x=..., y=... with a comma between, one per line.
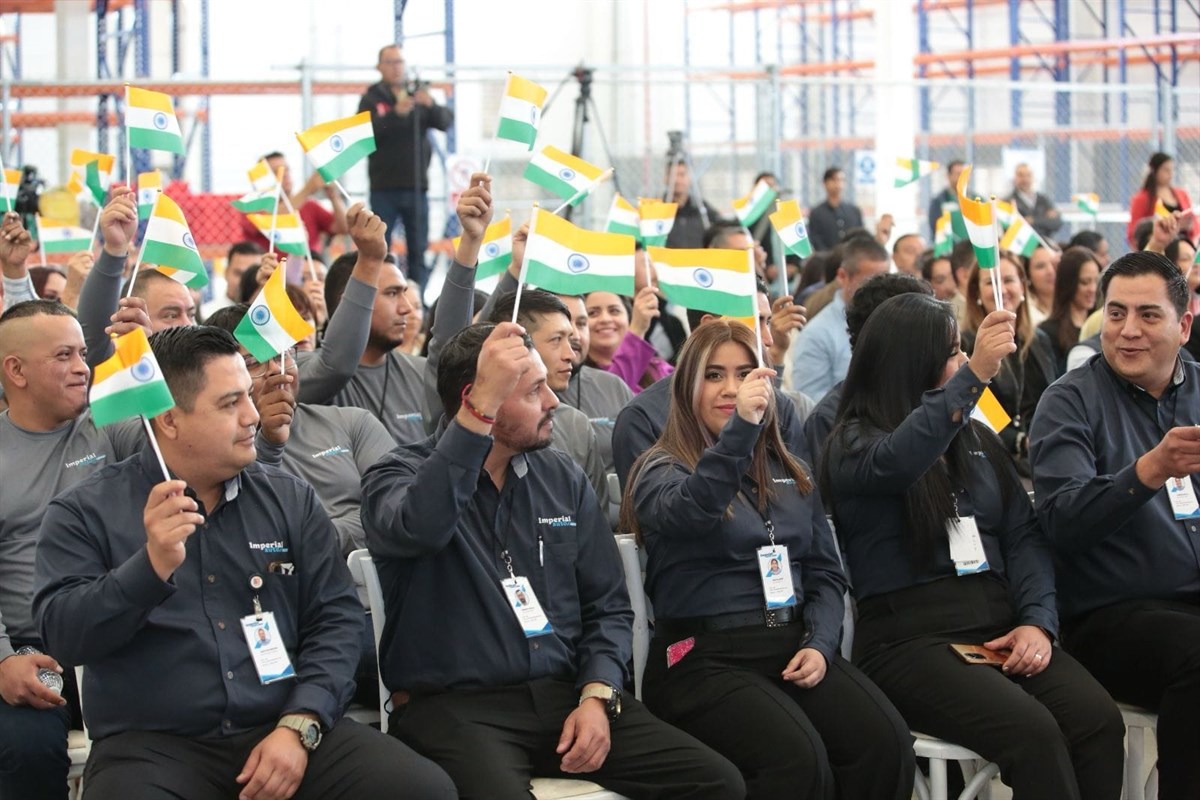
x=362, y=569
x=847, y=600
x=633, y=561
x=614, y=500
x=79, y=691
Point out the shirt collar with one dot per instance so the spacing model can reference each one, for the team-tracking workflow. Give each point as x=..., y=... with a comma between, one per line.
x=150, y=465
x=1176, y=379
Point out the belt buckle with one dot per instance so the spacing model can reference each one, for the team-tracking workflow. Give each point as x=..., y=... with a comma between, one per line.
x=772, y=617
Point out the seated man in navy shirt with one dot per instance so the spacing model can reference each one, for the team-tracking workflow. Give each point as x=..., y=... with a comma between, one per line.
x=1115, y=448
x=508, y=624
x=161, y=606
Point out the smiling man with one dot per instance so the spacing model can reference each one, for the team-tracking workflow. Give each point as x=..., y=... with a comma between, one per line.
x=1108, y=443
x=179, y=700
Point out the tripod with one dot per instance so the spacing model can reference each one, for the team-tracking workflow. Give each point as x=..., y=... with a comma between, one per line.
x=678, y=154
x=585, y=112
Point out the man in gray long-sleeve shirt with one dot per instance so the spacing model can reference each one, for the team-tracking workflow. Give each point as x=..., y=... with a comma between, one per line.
x=47, y=444
x=179, y=699
x=1115, y=449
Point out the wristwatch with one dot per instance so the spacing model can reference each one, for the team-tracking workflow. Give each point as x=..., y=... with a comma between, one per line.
x=610, y=696
x=309, y=729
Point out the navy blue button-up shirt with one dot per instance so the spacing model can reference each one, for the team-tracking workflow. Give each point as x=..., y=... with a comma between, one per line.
x=1115, y=538
x=170, y=655
x=436, y=528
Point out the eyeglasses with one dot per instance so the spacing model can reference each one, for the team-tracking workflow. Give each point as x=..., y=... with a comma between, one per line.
x=257, y=369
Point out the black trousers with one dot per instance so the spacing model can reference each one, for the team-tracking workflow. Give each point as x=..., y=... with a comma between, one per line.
x=1147, y=652
x=841, y=738
x=33, y=744
x=353, y=762
x=492, y=741
x=1055, y=736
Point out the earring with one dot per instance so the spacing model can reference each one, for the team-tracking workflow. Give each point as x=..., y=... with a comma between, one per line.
x=979, y=302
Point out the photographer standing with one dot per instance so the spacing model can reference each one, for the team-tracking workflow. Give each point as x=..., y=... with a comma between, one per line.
x=402, y=112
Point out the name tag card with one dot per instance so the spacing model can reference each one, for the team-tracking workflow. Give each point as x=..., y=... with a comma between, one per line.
x=966, y=548
x=776, y=572
x=266, y=648
x=1183, y=498
x=525, y=605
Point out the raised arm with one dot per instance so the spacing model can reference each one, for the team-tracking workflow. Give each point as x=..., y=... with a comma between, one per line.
x=100, y=296
x=15, y=244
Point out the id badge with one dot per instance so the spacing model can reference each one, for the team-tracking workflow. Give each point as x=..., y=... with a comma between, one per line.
x=966, y=548
x=524, y=603
x=1183, y=498
x=266, y=648
x=776, y=572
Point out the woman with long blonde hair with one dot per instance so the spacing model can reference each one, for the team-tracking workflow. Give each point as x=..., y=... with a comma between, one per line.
x=747, y=588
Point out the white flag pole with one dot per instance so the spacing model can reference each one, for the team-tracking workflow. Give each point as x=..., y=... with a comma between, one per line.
x=162, y=462
x=525, y=263
x=757, y=324
x=585, y=191
x=997, y=294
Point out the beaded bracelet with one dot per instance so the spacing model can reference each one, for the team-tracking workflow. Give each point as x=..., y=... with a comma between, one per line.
x=472, y=410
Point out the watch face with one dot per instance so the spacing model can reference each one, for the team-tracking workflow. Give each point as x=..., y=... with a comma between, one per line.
x=310, y=737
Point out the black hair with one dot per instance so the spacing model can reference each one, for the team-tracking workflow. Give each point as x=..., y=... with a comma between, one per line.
x=962, y=256
x=831, y=173
x=478, y=302
x=766, y=174
x=338, y=275
x=1171, y=251
x=901, y=353
x=248, y=283
x=859, y=249
x=927, y=261
x=716, y=233
x=146, y=274
x=534, y=303
x=458, y=362
x=874, y=291
x=1156, y=161
x=36, y=308
x=39, y=274
x=1142, y=233
x=857, y=232
x=1066, y=284
x=1142, y=262
x=1089, y=239
x=246, y=248
x=904, y=236
x=958, y=162
x=227, y=318
x=272, y=154
x=183, y=353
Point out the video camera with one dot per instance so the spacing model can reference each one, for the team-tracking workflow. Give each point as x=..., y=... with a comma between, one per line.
x=29, y=192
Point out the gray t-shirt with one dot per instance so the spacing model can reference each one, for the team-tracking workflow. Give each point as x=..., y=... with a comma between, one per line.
x=36, y=467
x=332, y=447
x=394, y=392
x=573, y=435
x=601, y=396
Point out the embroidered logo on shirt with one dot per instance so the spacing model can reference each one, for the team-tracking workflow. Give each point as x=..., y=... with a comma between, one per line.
x=269, y=547
x=90, y=458
x=336, y=450
x=607, y=422
x=784, y=481
x=557, y=522
x=411, y=417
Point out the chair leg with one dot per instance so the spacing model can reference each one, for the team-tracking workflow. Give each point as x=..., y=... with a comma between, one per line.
x=1152, y=783
x=921, y=786
x=938, y=788
x=1135, y=764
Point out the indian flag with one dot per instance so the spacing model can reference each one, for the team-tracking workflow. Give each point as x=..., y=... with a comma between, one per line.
x=989, y=411
x=564, y=259
x=150, y=118
x=334, y=147
x=258, y=201
x=788, y=222
x=622, y=217
x=710, y=279
x=657, y=219
x=9, y=187
x=1087, y=202
x=520, y=110
x=1020, y=238
x=749, y=209
x=290, y=234
x=62, y=237
x=943, y=236
x=272, y=324
x=169, y=246
x=977, y=217
x=82, y=159
x=149, y=184
x=562, y=173
x=1006, y=213
x=1160, y=209
x=262, y=179
x=129, y=383
x=495, y=252
x=911, y=170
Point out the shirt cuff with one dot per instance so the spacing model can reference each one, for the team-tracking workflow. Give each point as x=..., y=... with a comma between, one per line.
x=601, y=670
x=962, y=391
x=140, y=583
x=460, y=275
x=6, y=648
x=1044, y=618
x=18, y=290
x=308, y=698
x=268, y=452
x=1129, y=486
x=739, y=436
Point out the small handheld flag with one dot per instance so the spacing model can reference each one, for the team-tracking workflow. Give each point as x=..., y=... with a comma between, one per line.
x=9, y=188
x=495, y=252
x=272, y=324
x=333, y=147
x=151, y=122
x=943, y=236
x=977, y=215
x=564, y=259
x=129, y=383
x=169, y=246
x=1160, y=208
x=520, y=111
x=622, y=217
x=262, y=179
x=1006, y=212
x=149, y=184
x=290, y=235
x=657, y=220
x=911, y=170
x=1088, y=202
x=749, y=209
x=62, y=237
x=255, y=202
x=788, y=222
x=1020, y=238
x=82, y=164
x=709, y=279
x=989, y=411
x=566, y=175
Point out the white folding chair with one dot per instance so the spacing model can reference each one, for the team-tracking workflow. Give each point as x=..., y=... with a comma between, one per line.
x=633, y=561
x=1139, y=722
x=362, y=568
x=614, y=501
x=79, y=746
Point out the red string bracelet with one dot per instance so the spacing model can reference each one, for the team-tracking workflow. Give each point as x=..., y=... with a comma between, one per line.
x=472, y=410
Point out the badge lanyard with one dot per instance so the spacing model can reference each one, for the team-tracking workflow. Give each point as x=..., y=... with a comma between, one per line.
x=516, y=588
x=774, y=566
x=265, y=640
x=966, y=546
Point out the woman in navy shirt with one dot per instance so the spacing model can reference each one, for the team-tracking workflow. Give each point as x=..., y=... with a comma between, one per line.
x=748, y=592
x=944, y=548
